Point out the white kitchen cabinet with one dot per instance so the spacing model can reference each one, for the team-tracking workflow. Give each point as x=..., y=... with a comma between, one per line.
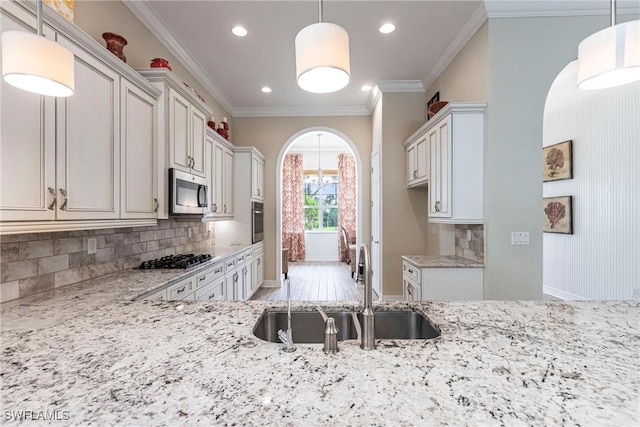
x=417, y=160
x=187, y=128
x=182, y=129
x=441, y=283
x=27, y=144
x=456, y=145
x=182, y=290
x=63, y=159
x=257, y=177
x=257, y=266
x=222, y=197
x=138, y=156
x=214, y=291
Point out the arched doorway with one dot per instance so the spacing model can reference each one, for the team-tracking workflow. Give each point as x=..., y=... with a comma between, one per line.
x=306, y=133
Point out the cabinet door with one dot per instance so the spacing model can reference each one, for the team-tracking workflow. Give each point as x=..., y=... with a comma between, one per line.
x=257, y=178
x=209, y=162
x=230, y=286
x=88, y=141
x=258, y=278
x=227, y=207
x=198, y=137
x=410, y=164
x=179, y=137
x=217, y=186
x=422, y=160
x=248, y=280
x=440, y=174
x=138, y=155
x=410, y=290
x=27, y=147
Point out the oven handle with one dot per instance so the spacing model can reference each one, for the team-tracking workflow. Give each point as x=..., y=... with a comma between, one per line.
x=258, y=212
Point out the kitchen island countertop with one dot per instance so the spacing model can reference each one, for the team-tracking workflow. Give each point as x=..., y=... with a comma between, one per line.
x=441, y=261
x=98, y=357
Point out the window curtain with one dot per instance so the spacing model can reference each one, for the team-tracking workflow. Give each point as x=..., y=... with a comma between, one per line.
x=293, y=207
x=346, y=200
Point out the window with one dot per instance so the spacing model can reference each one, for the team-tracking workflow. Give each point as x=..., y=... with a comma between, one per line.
x=320, y=200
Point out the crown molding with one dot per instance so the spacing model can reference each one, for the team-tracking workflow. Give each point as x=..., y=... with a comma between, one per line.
x=556, y=13
x=161, y=31
x=557, y=8
x=301, y=111
x=469, y=29
x=400, y=86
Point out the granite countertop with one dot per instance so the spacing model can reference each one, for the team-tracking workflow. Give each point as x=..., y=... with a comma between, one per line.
x=97, y=357
x=441, y=261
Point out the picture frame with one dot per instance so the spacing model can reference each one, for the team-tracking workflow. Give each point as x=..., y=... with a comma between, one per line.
x=557, y=215
x=434, y=98
x=557, y=161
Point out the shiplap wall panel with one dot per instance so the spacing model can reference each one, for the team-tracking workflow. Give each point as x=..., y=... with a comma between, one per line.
x=601, y=259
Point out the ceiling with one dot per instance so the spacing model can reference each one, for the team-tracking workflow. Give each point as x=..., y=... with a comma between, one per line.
x=233, y=69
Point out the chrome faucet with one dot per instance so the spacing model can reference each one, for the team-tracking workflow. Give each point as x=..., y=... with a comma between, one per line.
x=368, y=337
x=330, y=333
x=287, y=337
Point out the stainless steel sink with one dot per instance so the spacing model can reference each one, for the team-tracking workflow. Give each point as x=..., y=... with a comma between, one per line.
x=308, y=326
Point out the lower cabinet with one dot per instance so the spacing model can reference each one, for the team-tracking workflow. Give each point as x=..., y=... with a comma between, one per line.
x=182, y=290
x=441, y=283
x=214, y=291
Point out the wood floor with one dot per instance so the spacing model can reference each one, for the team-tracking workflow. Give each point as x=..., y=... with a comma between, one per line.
x=316, y=281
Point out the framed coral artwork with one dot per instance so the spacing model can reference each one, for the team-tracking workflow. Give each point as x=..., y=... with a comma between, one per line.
x=558, y=215
x=557, y=162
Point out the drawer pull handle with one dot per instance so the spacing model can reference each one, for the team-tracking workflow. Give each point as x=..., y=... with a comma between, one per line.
x=410, y=270
x=212, y=295
x=182, y=289
x=202, y=278
x=218, y=270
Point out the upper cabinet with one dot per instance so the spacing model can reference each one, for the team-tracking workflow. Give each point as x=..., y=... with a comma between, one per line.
x=181, y=131
x=456, y=145
x=86, y=161
x=417, y=160
x=221, y=177
x=257, y=177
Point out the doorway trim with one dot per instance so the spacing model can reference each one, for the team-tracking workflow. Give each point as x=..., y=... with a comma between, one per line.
x=279, y=163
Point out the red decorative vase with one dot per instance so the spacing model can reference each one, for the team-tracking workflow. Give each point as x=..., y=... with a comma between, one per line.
x=160, y=63
x=435, y=107
x=212, y=125
x=115, y=44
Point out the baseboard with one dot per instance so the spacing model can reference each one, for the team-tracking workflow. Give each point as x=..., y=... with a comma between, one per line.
x=391, y=298
x=271, y=284
x=563, y=295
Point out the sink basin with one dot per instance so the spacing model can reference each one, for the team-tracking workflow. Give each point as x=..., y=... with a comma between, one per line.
x=308, y=326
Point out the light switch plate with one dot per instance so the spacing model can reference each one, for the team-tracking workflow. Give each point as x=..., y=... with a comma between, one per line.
x=92, y=245
x=519, y=238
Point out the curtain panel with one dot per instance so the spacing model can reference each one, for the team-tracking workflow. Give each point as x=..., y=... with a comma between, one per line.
x=346, y=201
x=293, y=207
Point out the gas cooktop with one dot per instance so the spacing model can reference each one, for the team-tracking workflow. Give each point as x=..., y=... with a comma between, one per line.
x=175, y=261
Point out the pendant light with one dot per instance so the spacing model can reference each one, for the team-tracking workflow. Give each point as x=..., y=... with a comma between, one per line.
x=33, y=63
x=322, y=56
x=610, y=57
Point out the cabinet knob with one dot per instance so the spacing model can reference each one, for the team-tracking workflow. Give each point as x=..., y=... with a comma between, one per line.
x=52, y=193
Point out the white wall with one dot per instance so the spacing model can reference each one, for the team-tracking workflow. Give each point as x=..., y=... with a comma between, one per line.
x=321, y=246
x=601, y=259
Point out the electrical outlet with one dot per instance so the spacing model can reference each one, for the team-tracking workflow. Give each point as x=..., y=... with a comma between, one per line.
x=92, y=245
x=519, y=238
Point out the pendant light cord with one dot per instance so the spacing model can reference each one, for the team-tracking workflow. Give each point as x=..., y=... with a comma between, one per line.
x=319, y=10
x=39, y=16
x=613, y=13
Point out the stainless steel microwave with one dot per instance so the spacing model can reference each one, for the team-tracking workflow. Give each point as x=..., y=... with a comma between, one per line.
x=187, y=193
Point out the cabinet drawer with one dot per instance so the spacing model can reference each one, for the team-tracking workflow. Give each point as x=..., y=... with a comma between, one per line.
x=160, y=295
x=240, y=259
x=212, y=292
x=411, y=271
x=209, y=275
x=180, y=290
x=248, y=255
x=230, y=264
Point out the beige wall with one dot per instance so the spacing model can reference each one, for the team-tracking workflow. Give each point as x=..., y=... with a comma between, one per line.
x=466, y=78
x=525, y=56
x=97, y=17
x=270, y=134
x=404, y=211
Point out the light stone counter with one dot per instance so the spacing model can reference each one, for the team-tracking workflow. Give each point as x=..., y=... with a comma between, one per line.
x=441, y=261
x=99, y=358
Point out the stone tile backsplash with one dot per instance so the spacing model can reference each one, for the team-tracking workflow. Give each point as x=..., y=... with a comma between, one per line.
x=37, y=262
x=470, y=249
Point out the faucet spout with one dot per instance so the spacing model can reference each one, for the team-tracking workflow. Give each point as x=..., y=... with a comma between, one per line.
x=368, y=337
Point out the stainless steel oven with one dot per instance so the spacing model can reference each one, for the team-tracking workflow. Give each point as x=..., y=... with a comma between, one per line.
x=257, y=222
x=187, y=193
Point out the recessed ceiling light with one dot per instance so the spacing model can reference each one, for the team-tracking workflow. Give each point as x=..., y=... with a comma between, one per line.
x=387, y=28
x=266, y=89
x=239, y=31
x=365, y=88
